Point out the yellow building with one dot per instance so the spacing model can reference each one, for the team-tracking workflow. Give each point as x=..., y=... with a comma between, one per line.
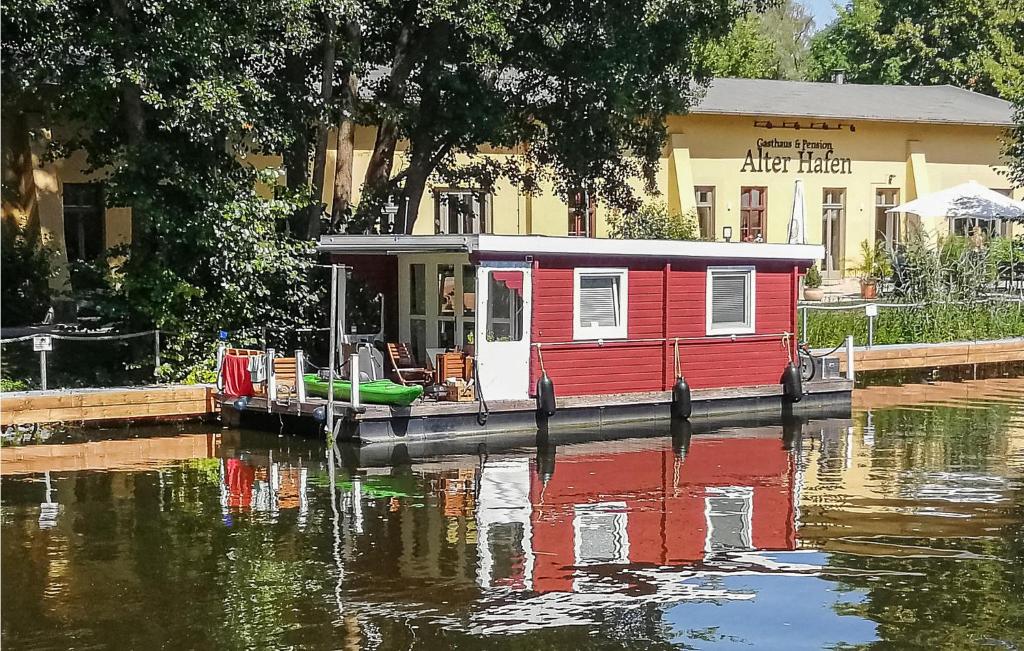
x=734, y=160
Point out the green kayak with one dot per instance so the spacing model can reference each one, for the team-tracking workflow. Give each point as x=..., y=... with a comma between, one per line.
x=379, y=392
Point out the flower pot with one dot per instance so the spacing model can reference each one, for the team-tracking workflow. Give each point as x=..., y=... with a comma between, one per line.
x=813, y=293
x=868, y=288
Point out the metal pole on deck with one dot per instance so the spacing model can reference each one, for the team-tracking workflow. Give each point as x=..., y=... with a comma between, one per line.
x=850, y=373
x=353, y=366
x=804, y=323
x=300, y=370
x=331, y=353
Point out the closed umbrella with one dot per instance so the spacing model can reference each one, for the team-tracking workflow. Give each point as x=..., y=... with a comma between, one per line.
x=798, y=219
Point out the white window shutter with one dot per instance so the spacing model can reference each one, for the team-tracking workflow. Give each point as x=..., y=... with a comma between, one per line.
x=599, y=301
x=729, y=299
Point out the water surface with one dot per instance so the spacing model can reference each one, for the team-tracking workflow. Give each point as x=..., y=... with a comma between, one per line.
x=902, y=527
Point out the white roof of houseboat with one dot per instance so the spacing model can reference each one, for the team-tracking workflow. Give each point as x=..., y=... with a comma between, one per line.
x=849, y=101
x=574, y=246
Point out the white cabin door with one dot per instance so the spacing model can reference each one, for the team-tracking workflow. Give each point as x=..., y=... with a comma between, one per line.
x=504, y=295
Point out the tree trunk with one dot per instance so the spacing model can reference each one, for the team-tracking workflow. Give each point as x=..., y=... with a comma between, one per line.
x=378, y=172
x=296, y=154
x=412, y=192
x=134, y=115
x=19, y=172
x=320, y=153
x=342, y=201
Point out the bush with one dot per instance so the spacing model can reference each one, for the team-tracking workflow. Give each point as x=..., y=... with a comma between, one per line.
x=813, y=278
x=653, y=221
x=26, y=270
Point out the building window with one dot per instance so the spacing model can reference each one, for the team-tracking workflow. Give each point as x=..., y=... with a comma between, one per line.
x=461, y=212
x=887, y=225
x=753, y=214
x=582, y=214
x=599, y=308
x=964, y=226
x=84, y=228
x=705, y=196
x=833, y=222
x=730, y=300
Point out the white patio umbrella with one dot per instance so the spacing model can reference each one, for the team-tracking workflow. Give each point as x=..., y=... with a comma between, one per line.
x=970, y=199
x=798, y=219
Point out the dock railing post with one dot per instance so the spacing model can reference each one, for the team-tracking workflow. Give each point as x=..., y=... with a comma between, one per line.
x=42, y=369
x=803, y=323
x=333, y=341
x=850, y=371
x=353, y=367
x=271, y=379
x=300, y=370
x=156, y=353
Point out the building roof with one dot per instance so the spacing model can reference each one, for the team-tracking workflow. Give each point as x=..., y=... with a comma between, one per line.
x=576, y=246
x=847, y=101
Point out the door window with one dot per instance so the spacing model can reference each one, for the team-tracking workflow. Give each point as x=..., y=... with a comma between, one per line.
x=505, y=305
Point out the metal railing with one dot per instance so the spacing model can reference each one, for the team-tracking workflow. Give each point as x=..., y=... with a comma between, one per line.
x=43, y=346
x=870, y=310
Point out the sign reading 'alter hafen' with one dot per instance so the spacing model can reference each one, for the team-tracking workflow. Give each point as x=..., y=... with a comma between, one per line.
x=812, y=157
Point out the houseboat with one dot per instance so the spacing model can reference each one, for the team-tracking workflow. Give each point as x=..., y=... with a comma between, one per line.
x=485, y=322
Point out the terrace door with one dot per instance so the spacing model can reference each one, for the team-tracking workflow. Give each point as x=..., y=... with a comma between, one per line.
x=504, y=293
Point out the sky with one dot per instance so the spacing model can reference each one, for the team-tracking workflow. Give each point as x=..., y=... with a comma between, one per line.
x=822, y=10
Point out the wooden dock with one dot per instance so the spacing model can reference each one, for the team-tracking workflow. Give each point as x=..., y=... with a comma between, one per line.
x=956, y=353
x=166, y=401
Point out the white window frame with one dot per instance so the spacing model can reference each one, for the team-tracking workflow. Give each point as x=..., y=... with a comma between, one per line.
x=712, y=329
x=590, y=333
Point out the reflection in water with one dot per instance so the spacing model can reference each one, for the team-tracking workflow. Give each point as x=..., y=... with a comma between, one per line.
x=903, y=526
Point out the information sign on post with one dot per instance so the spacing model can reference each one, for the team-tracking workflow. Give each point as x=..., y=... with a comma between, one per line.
x=42, y=343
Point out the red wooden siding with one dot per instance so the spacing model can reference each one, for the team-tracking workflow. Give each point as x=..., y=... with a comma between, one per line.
x=579, y=368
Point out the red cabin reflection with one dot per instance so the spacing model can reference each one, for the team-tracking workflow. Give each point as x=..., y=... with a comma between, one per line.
x=638, y=507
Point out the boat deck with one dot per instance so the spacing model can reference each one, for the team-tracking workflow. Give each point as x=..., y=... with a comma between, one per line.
x=429, y=419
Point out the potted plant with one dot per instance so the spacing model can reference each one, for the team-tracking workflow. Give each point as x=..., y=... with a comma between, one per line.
x=812, y=285
x=873, y=267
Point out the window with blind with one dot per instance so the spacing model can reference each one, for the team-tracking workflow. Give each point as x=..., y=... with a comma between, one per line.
x=599, y=306
x=730, y=300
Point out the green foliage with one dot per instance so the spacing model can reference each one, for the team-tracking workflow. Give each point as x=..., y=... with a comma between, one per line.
x=653, y=221
x=8, y=384
x=770, y=45
x=25, y=273
x=931, y=323
x=745, y=52
x=950, y=269
x=874, y=261
x=973, y=44
x=813, y=278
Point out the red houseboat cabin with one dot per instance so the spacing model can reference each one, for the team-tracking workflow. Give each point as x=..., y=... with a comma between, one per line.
x=601, y=316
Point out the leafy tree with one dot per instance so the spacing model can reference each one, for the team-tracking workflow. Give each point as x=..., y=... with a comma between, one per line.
x=167, y=101
x=746, y=52
x=771, y=45
x=973, y=44
x=587, y=85
x=653, y=221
